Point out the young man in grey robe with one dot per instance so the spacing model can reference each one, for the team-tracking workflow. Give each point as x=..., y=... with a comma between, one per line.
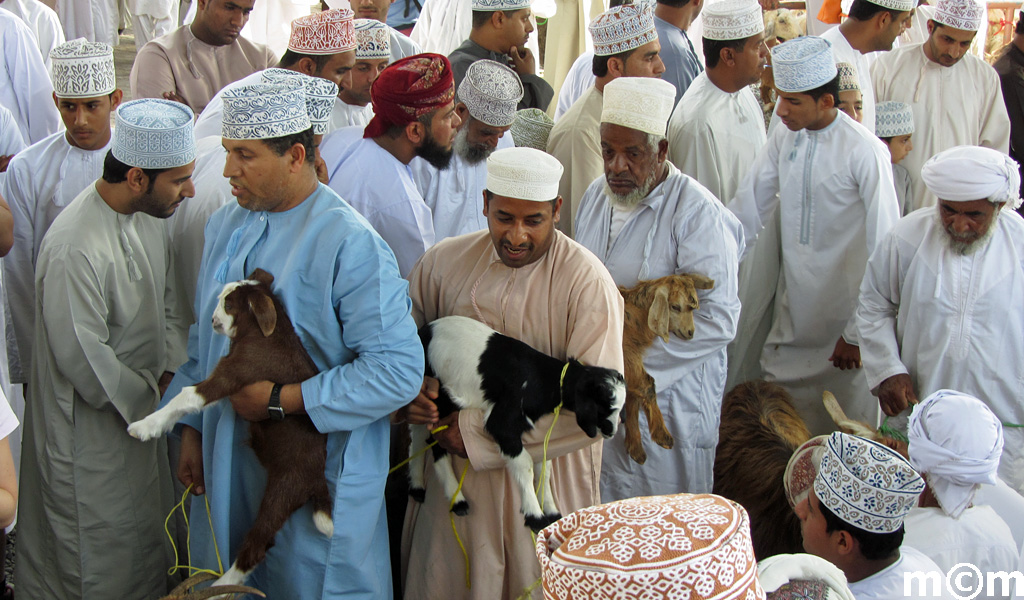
x=108, y=337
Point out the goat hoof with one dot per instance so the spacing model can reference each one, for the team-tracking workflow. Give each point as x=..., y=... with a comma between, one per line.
x=418, y=494
x=538, y=523
x=664, y=439
x=461, y=508
x=638, y=456
x=146, y=429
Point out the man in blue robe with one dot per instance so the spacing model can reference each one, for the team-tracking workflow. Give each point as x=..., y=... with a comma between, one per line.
x=340, y=285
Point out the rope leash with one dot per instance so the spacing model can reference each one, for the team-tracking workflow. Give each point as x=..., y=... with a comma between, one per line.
x=890, y=431
x=451, y=517
x=418, y=452
x=188, y=538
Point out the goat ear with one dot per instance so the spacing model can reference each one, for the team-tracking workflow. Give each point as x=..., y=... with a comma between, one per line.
x=262, y=276
x=266, y=317
x=701, y=282
x=586, y=414
x=658, y=315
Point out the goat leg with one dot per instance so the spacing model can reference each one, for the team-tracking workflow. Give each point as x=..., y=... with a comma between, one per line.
x=544, y=485
x=280, y=500
x=655, y=420
x=446, y=474
x=633, y=442
x=418, y=435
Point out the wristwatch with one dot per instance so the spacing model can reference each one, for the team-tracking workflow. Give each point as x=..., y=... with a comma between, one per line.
x=274, y=406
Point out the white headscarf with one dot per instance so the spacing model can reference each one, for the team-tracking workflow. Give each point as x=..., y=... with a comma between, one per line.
x=956, y=441
x=776, y=571
x=965, y=173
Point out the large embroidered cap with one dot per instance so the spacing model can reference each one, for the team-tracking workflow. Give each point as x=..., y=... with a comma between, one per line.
x=803, y=64
x=641, y=103
x=491, y=91
x=154, y=134
x=893, y=119
x=961, y=14
x=326, y=32
x=505, y=5
x=866, y=484
x=524, y=174
x=965, y=173
x=320, y=94
x=408, y=89
x=531, y=128
x=373, y=39
x=83, y=69
x=262, y=111
x=692, y=546
x=623, y=28
x=802, y=469
x=732, y=20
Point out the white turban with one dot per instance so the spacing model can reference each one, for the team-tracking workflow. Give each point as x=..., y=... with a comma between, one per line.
x=956, y=441
x=965, y=173
x=776, y=571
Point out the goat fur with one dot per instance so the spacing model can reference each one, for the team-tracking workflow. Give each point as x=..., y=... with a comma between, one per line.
x=654, y=308
x=758, y=434
x=514, y=385
x=264, y=347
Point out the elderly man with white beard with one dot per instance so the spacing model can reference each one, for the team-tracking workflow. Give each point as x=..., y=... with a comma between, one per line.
x=939, y=305
x=486, y=102
x=645, y=219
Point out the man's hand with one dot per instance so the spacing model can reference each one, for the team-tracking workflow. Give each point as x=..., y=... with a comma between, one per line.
x=422, y=410
x=451, y=439
x=190, y=463
x=165, y=380
x=251, y=402
x=174, y=98
x=523, y=62
x=845, y=356
x=895, y=394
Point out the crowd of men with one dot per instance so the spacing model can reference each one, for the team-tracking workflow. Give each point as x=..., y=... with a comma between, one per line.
x=863, y=241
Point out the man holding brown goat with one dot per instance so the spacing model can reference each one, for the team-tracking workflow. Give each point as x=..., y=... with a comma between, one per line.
x=530, y=282
x=340, y=285
x=645, y=219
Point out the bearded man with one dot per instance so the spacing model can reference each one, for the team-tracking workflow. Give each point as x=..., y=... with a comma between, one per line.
x=486, y=103
x=413, y=115
x=937, y=305
x=645, y=219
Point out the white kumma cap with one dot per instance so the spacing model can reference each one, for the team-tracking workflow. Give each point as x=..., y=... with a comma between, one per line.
x=641, y=103
x=732, y=20
x=523, y=173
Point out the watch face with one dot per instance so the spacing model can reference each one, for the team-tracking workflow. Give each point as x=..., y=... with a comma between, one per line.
x=276, y=413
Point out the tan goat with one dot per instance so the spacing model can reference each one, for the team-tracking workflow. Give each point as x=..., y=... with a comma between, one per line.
x=654, y=308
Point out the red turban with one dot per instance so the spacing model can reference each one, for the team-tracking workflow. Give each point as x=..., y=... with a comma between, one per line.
x=408, y=89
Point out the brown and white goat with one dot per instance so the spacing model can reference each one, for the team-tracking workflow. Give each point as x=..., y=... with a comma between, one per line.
x=264, y=347
x=654, y=308
x=758, y=434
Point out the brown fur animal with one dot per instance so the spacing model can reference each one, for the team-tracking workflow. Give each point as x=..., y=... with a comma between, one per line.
x=758, y=434
x=264, y=347
x=186, y=589
x=654, y=308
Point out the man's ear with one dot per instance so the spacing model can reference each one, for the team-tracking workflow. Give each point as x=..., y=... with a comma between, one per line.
x=306, y=66
x=56, y=102
x=297, y=156
x=616, y=66
x=115, y=99
x=662, y=151
x=556, y=215
x=416, y=132
x=138, y=181
x=844, y=543
x=485, y=202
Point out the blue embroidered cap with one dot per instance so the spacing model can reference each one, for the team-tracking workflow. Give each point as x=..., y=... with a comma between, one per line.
x=866, y=484
x=803, y=64
x=320, y=94
x=531, y=128
x=373, y=40
x=491, y=91
x=263, y=110
x=83, y=69
x=893, y=119
x=154, y=134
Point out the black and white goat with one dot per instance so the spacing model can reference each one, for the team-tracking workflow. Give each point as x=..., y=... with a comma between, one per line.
x=514, y=385
x=264, y=347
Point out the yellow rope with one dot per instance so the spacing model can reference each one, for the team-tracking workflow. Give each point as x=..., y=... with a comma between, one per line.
x=451, y=516
x=188, y=538
x=418, y=452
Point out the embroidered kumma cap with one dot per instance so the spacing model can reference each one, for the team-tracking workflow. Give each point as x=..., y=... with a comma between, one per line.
x=692, y=546
x=154, y=134
x=327, y=32
x=83, y=69
x=264, y=110
x=491, y=91
x=623, y=28
x=893, y=119
x=373, y=39
x=803, y=64
x=732, y=19
x=641, y=103
x=531, y=128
